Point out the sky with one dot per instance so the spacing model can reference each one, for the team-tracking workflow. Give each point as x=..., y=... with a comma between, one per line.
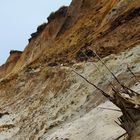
x=20, y=18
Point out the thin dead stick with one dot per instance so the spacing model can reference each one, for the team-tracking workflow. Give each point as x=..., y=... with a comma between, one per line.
x=134, y=92
x=122, y=106
x=111, y=73
x=124, y=109
x=120, y=120
x=105, y=94
x=108, y=68
x=121, y=136
x=119, y=124
x=110, y=109
x=98, y=68
x=124, y=87
x=133, y=74
x=104, y=75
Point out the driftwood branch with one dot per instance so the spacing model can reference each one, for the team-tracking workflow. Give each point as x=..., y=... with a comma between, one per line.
x=130, y=107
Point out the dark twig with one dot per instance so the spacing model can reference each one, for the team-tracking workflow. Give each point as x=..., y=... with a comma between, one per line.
x=124, y=109
x=132, y=91
x=107, y=68
x=133, y=74
x=110, y=109
x=119, y=124
x=121, y=136
x=97, y=67
x=111, y=73
x=104, y=93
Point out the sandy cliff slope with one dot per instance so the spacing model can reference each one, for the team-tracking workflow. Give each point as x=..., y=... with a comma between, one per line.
x=109, y=26
x=41, y=98
x=54, y=103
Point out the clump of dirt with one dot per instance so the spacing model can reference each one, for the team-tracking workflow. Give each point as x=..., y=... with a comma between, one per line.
x=62, y=12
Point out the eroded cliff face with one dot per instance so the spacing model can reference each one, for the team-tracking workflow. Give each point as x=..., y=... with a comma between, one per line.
x=10, y=63
x=41, y=98
x=108, y=26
